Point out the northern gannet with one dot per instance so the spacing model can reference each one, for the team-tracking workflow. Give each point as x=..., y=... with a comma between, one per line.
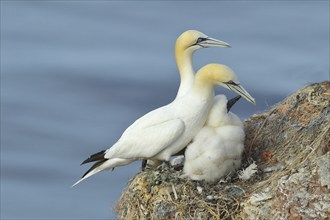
x=217, y=148
x=185, y=46
x=165, y=131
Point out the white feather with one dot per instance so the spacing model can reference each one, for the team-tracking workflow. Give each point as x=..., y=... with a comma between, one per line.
x=248, y=172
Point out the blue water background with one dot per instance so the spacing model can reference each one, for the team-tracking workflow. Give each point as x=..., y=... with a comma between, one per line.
x=75, y=74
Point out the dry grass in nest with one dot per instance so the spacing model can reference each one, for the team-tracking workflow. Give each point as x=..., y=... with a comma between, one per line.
x=162, y=194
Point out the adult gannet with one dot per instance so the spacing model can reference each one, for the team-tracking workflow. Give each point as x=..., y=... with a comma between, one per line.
x=185, y=46
x=165, y=131
x=217, y=148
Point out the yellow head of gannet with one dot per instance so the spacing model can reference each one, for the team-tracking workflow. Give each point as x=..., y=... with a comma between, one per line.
x=186, y=44
x=165, y=131
x=223, y=76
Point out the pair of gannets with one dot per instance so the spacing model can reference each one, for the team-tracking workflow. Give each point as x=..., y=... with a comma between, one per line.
x=165, y=131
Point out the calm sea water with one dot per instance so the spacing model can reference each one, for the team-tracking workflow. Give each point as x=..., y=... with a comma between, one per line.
x=75, y=74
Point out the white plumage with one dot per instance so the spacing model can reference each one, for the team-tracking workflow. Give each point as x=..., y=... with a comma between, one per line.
x=217, y=148
x=186, y=44
x=165, y=131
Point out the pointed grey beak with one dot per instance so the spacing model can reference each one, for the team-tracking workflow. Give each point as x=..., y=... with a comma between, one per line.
x=211, y=42
x=241, y=91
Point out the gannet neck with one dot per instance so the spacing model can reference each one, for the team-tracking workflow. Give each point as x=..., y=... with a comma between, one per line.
x=202, y=84
x=183, y=60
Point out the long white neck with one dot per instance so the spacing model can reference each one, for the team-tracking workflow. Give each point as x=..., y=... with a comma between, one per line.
x=183, y=60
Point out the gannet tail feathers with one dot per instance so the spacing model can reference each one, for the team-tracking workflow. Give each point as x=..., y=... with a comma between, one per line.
x=93, y=170
x=95, y=157
x=104, y=164
x=95, y=165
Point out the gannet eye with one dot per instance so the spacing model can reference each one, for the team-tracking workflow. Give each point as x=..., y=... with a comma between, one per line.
x=230, y=82
x=200, y=39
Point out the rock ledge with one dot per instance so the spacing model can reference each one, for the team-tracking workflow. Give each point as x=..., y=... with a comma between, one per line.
x=290, y=144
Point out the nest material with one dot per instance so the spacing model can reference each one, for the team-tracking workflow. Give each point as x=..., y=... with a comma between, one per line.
x=162, y=194
x=290, y=144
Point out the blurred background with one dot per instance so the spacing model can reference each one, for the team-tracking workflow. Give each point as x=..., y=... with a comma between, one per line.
x=76, y=74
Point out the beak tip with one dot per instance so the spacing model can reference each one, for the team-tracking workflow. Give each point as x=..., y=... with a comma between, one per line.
x=253, y=101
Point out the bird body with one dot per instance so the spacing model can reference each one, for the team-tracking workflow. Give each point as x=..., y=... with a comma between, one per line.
x=217, y=148
x=165, y=131
x=168, y=128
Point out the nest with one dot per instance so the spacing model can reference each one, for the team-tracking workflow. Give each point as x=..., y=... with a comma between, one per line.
x=162, y=194
x=286, y=142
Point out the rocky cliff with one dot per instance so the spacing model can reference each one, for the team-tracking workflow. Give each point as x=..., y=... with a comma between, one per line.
x=290, y=146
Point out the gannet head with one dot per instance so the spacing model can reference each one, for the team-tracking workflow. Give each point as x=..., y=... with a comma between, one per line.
x=219, y=74
x=193, y=40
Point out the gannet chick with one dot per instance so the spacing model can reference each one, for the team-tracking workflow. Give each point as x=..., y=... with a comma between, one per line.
x=217, y=148
x=165, y=131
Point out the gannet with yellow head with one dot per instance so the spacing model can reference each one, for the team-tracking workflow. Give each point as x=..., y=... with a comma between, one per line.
x=186, y=44
x=165, y=131
x=217, y=148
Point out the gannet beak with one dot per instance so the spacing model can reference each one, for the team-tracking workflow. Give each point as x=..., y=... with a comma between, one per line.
x=240, y=91
x=232, y=102
x=211, y=42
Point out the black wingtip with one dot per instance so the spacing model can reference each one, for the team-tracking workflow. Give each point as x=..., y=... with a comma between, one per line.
x=232, y=101
x=95, y=157
x=99, y=163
